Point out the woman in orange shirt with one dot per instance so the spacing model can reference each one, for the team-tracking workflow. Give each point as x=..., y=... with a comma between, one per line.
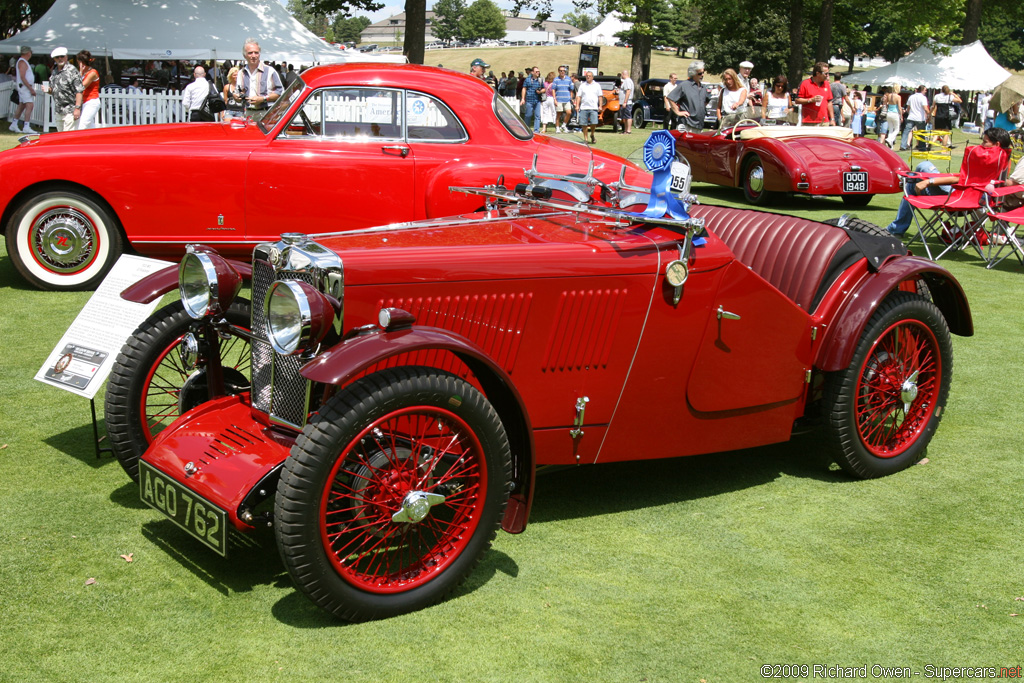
x=90, y=92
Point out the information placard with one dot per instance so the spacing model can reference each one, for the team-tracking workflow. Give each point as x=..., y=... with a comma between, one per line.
x=85, y=354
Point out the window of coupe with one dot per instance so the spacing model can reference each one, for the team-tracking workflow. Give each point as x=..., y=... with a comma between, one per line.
x=510, y=119
x=361, y=113
x=429, y=119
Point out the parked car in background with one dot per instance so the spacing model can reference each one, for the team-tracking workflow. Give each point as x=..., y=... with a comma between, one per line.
x=609, y=112
x=402, y=384
x=376, y=143
x=770, y=161
x=649, y=107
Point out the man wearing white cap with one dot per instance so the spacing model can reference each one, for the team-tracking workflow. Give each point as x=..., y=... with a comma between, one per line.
x=66, y=89
x=744, y=74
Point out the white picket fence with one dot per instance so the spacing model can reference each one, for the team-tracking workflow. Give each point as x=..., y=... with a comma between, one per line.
x=116, y=108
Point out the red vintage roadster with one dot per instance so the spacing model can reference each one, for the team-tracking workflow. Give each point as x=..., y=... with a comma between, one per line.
x=376, y=143
x=387, y=396
x=767, y=162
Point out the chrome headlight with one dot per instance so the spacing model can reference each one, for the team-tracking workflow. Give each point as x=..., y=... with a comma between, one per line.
x=298, y=316
x=207, y=283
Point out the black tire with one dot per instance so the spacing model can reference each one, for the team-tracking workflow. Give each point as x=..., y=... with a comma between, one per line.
x=63, y=240
x=753, y=182
x=357, y=452
x=638, y=118
x=857, y=199
x=860, y=225
x=146, y=385
x=882, y=411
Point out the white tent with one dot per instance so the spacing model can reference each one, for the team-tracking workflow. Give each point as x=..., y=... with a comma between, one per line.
x=178, y=29
x=604, y=33
x=966, y=67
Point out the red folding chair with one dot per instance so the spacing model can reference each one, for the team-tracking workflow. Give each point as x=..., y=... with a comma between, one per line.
x=1004, y=233
x=957, y=220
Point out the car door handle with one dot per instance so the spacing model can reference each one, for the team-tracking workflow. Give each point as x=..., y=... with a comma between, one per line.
x=400, y=150
x=722, y=313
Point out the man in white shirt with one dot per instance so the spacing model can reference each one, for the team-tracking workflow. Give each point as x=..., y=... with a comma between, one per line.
x=259, y=84
x=588, y=102
x=671, y=118
x=626, y=102
x=26, y=85
x=195, y=95
x=917, y=118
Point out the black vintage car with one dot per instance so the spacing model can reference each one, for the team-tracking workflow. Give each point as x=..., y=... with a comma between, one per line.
x=649, y=103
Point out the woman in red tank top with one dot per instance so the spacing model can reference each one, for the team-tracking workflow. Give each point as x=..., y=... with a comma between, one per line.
x=91, y=92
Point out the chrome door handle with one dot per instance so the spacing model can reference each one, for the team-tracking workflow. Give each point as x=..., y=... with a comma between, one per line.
x=402, y=150
x=722, y=313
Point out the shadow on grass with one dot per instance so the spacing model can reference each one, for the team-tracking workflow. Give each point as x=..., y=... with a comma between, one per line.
x=718, y=195
x=296, y=610
x=586, y=491
x=80, y=443
x=251, y=561
x=127, y=496
x=10, y=277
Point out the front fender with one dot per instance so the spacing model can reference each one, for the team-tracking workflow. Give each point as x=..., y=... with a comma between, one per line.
x=355, y=354
x=155, y=285
x=844, y=333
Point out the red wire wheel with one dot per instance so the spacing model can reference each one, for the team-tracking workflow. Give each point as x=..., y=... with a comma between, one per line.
x=149, y=386
x=883, y=410
x=392, y=494
x=421, y=466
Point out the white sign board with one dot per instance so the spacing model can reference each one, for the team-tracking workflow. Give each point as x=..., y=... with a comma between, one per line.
x=85, y=355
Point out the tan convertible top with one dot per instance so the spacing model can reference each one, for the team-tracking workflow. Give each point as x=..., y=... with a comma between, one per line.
x=782, y=132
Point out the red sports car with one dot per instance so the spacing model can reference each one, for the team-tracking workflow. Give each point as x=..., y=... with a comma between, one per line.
x=344, y=147
x=768, y=161
x=385, y=400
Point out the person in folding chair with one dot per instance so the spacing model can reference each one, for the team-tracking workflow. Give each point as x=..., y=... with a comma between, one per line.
x=1006, y=210
x=927, y=190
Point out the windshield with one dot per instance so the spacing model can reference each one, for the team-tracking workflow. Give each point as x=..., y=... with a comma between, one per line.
x=281, y=105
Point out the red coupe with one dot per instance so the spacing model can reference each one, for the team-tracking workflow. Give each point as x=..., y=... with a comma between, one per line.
x=344, y=147
x=385, y=400
x=768, y=161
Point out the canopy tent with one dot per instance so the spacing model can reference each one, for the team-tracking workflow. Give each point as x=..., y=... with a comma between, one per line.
x=604, y=33
x=966, y=67
x=178, y=29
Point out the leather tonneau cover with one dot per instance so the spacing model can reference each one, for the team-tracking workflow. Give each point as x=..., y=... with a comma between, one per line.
x=876, y=248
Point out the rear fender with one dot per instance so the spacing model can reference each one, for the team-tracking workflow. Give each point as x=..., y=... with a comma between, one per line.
x=356, y=353
x=782, y=168
x=155, y=285
x=836, y=350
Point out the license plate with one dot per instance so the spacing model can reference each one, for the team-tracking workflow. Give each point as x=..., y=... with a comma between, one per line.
x=679, y=173
x=197, y=516
x=855, y=181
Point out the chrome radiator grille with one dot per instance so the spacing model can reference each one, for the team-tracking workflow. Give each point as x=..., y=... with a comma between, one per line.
x=277, y=387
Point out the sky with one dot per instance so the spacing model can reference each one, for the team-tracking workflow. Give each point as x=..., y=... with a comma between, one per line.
x=558, y=9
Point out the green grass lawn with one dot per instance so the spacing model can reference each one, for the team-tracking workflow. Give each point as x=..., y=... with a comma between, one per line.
x=702, y=568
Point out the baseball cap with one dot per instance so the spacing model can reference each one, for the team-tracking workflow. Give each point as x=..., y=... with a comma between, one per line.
x=59, y=52
x=480, y=62
x=746, y=65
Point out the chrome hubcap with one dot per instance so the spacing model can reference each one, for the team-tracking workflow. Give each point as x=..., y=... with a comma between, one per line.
x=63, y=239
x=416, y=506
x=755, y=180
x=908, y=391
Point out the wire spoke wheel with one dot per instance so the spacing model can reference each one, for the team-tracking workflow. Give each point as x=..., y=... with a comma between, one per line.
x=392, y=494
x=883, y=409
x=422, y=466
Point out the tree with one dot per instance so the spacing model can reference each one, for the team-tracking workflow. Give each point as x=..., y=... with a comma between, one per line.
x=16, y=15
x=315, y=22
x=675, y=24
x=581, y=20
x=349, y=30
x=483, y=20
x=415, y=20
x=1002, y=34
x=448, y=19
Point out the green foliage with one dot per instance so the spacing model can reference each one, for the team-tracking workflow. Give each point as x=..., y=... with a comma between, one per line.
x=17, y=14
x=582, y=20
x=483, y=20
x=315, y=22
x=349, y=29
x=345, y=7
x=1002, y=33
x=676, y=23
x=730, y=33
x=448, y=19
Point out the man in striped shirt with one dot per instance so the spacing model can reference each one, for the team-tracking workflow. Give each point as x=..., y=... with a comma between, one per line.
x=563, y=100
